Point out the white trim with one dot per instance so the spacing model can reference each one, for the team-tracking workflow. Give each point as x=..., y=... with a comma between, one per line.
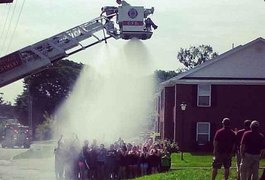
x=216, y=82
x=209, y=131
x=209, y=94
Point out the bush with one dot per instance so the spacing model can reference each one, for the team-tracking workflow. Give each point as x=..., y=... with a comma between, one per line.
x=45, y=130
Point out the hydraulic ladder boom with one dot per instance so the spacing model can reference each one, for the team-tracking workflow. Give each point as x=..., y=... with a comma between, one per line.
x=37, y=57
x=131, y=22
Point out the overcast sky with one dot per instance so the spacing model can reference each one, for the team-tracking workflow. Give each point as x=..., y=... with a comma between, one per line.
x=182, y=23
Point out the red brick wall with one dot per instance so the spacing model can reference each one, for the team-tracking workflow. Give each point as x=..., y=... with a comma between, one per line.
x=169, y=112
x=237, y=102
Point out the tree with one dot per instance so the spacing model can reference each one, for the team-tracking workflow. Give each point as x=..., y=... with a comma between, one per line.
x=45, y=130
x=6, y=109
x=162, y=75
x=189, y=58
x=1, y=98
x=22, y=106
x=46, y=90
x=195, y=55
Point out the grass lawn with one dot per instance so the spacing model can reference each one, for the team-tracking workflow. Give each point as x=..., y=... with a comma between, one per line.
x=193, y=167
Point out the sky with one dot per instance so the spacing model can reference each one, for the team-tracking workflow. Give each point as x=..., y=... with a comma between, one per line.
x=181, y=24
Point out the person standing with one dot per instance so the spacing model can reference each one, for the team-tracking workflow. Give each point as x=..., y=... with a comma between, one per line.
x=143, y=161
x=101, y=159
x=239, y=136
x=223, y=148
x=111, y=163
x=122, y=155
x=59, y=152
x=251, y=146
x=84, y=159
x=165, y=160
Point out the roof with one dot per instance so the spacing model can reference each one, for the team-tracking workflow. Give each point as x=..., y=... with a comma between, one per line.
x=241, y=65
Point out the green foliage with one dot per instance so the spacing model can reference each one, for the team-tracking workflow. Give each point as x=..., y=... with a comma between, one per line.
x=189, y=58
x=21, y=107
x=161, y=75
x=47, y=90
x=1, y=98
x=6, y=109
x=56, y=82
x=195, y=55
x=45, y=130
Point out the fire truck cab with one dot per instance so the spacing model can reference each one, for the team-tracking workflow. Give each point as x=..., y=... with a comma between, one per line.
x=16, y=135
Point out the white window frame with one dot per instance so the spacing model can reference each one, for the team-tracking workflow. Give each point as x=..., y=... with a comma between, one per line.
x=201, y=93
x=208, y=133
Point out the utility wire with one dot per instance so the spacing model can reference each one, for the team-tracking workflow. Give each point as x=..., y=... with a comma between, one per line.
x=4, y=27
x=9, y=25
x=13, y=34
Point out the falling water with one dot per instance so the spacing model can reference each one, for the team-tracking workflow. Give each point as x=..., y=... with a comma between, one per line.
x=113, y=96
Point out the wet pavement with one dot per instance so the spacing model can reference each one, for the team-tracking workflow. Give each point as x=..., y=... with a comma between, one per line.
x=33, y=169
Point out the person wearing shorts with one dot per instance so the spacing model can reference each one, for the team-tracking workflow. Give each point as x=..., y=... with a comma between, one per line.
x=224, y=145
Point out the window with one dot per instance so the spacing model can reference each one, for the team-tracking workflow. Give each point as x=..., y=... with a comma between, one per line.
x=204, y=95
x=203, y=133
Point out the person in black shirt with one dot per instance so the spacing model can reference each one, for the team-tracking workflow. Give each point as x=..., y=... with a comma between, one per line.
x=111, y=162
x=143, y=161
x=122, y=153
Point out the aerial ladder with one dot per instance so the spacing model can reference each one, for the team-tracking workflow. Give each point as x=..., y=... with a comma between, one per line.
x=131, y=22
x=6, y=1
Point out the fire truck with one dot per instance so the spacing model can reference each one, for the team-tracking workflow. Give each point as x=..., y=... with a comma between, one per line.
x=16, y=135
x=122, y=22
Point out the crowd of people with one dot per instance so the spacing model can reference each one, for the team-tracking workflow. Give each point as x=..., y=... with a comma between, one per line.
x=248, y=144
x=129, y=160
x=119, y=161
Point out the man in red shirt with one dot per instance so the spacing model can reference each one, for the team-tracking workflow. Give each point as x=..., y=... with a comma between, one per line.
x=251, y=146
x=239, y=136
x=224, y=145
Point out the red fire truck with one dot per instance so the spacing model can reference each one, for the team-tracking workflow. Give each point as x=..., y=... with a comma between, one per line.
x=16, y=135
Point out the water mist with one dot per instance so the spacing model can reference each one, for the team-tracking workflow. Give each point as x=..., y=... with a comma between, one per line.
x=112, y=97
